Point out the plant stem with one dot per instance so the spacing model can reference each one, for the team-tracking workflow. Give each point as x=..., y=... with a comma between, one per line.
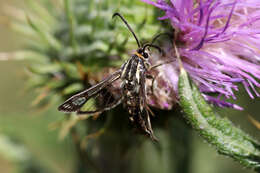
x=84, y=161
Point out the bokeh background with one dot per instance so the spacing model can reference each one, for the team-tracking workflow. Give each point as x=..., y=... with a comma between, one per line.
x=26, y=136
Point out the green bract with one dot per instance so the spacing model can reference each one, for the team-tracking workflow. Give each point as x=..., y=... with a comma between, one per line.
x=220, y=132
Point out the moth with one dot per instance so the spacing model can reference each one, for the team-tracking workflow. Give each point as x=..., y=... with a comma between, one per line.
x=132, y=93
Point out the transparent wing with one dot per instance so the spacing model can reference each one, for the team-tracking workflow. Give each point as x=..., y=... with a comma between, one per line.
x=96, y=99
x=101, y=101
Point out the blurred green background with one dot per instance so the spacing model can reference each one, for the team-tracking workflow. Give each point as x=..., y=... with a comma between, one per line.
x=19, y=121
x=28, y=127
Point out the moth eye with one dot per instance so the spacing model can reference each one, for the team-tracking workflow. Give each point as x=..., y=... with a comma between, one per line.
x=139, y=51
x=145, y=55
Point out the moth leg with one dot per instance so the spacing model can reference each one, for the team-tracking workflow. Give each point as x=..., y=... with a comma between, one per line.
x=160, y=64
x=149, y=129
x=144, y=116
x=149, y=109
x=148, y=76
x=143, y=92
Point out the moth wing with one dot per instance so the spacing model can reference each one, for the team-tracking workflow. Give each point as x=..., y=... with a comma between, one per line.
x=104, y=100
x=96, y=99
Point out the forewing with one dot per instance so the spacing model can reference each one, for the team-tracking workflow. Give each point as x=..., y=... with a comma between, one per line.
x=101, y=101
x=94, y=99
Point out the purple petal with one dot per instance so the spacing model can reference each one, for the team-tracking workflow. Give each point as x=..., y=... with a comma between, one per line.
x=219, y=44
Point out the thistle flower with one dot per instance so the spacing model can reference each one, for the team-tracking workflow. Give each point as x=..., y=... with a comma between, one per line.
x=219, y=46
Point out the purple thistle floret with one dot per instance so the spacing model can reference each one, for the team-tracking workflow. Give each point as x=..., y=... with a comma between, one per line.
x=219, y=44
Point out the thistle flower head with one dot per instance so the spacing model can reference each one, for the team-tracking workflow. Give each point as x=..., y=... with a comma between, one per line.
x=219, y=44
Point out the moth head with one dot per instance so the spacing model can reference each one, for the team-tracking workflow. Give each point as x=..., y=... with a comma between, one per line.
x=143, y=52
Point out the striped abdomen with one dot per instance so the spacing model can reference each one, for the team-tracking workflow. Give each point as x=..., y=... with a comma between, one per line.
x=133, y=72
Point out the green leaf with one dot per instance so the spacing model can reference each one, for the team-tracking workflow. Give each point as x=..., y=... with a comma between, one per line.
x=11, y=150
x=23, y=55
x=41, y=12
x=70, y=70
x=47, y=37
x=72, y=24
x=45, y=68
x=219, y=132
x=73, y=88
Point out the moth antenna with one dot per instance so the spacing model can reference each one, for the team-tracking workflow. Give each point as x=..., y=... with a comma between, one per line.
x=128, y=26
x=163, y=34
x=154, y=46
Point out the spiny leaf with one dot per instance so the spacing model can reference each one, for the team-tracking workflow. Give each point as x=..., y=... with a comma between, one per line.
x=41, y=11
x=71, y=89
x=220, y=132
x=70, y=123
x=72, y=23
x=23, y=55
x=45, y=68
x=53, y=42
